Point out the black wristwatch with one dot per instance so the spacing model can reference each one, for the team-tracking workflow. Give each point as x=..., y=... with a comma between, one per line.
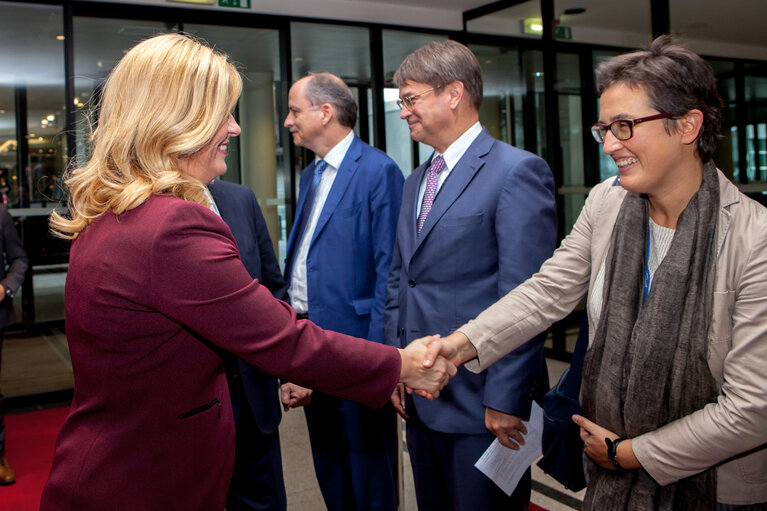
x=612, y=450
x=9, y=293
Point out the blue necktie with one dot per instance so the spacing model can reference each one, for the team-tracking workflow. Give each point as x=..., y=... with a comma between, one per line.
x=319, y=167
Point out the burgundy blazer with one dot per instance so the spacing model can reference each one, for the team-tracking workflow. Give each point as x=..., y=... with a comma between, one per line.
x=152, y=297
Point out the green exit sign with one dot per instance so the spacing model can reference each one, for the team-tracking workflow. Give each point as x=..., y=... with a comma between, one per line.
x=562, y=32
x=239, y=4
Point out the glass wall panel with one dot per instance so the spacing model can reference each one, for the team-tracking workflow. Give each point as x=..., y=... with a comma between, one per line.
x=502, y=110
x=755, y=96
x=571, y=136
x=607, y=166
x=341, y=50
x=726, y=155
x=99, y=43
x=534, y=103
x=399, y=146
x=258, y=157
x=33, y=146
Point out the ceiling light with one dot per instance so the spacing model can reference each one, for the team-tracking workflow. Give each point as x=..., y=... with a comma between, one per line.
x=60, y=37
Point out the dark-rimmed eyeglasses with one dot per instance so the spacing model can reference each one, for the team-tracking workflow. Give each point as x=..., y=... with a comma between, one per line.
x=623, y=129
x=409, y=101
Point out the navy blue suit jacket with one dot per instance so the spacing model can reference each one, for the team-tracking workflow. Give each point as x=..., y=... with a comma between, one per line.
x=493, y=223
x=351, y=249
x=239, y=209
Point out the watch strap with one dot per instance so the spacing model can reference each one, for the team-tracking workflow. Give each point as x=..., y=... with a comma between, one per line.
x=612, y=450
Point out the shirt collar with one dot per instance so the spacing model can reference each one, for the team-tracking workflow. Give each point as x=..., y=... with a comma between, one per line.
x=455, y=151
x=335, y=156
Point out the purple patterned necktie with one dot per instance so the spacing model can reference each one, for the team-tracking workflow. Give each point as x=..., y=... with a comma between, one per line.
x=432, y=176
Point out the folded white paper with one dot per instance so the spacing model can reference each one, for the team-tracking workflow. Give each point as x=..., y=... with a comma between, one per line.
x=505, y=466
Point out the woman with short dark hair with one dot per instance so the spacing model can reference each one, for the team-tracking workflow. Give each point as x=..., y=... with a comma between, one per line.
x=673, y=258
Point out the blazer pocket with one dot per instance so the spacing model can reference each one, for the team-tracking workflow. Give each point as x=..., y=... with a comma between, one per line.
x=456, y=221
x=363, y=307
x=753, y=467
x=200, y=409
x=347, y=212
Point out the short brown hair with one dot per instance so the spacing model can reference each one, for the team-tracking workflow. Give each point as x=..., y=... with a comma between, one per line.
x=676, y=81
x=324, y=87
x=442, y=62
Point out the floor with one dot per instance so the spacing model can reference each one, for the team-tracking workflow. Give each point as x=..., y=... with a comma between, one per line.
x=40, y=364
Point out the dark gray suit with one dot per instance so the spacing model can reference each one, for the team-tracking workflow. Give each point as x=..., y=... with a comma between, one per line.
x=257, y=483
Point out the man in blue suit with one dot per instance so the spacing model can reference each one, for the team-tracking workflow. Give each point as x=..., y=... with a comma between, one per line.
x=476, y=220
x=339, y=252
x=257, y=483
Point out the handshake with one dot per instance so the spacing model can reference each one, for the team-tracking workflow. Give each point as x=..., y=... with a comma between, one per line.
x=428, y=363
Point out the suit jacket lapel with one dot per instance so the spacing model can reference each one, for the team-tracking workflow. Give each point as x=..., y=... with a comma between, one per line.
x=408, y=238
x=344, y=175
x=306, y=176
x=456, y=183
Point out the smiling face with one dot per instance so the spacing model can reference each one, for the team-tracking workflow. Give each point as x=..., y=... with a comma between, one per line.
x=650, y=161
x=304, y=120
x=429, y=116
x=210, y=162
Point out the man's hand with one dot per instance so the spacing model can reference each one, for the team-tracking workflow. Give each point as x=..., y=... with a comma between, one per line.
x=427, y=381
x=508, y=429
x=293, y=396
x=398, y=400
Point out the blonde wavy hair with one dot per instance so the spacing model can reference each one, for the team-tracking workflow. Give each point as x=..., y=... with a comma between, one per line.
x=164, y=101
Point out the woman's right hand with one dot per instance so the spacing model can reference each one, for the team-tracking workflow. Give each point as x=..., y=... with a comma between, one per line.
x=425, y=372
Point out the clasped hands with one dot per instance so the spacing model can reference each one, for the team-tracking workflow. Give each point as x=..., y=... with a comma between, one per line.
x=425, y=368
x=428, y=364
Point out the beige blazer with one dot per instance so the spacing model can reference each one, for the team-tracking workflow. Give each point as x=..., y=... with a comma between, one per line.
x=737, y=340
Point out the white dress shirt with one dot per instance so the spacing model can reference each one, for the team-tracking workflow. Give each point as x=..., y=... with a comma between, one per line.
x=452, y=155
x=213, y=205
x=298, y=290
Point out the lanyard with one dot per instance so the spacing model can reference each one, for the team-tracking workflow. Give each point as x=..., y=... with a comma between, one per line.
x=647, y=268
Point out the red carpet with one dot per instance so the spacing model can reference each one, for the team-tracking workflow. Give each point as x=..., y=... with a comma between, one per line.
x=30, y=438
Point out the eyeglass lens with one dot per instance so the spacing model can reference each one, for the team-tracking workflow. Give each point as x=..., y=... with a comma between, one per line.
x=622, y=129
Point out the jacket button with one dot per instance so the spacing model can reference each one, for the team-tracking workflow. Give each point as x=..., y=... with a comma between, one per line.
x=411, y=283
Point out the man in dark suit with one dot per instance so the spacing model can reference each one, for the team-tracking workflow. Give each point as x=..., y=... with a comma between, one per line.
x=15, y=257
x=476, y=220
x=338, y=258
x=257, y=483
